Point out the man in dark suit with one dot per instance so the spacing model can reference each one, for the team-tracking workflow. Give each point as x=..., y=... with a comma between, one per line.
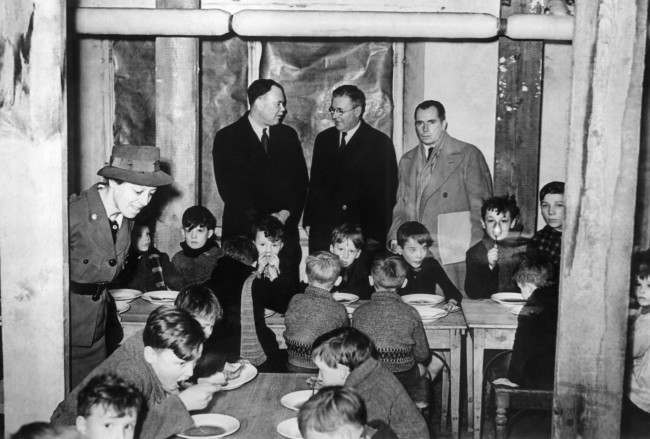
x=353, y=175
x=260, y=169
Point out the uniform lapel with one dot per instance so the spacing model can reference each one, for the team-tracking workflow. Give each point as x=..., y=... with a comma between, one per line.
x=100, y=229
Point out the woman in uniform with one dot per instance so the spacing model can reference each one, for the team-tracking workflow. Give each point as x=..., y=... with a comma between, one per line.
x=100, y=223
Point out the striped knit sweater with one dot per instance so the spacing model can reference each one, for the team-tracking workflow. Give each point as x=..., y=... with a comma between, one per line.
x=309, y=316
x=396, y=330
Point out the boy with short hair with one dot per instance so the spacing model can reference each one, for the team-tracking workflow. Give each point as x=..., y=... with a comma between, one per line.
x=202, y=304
x=547, y=242
x=199, y=251
x=314, y=312
x=636, y=405
x=424, y=272
x=108, y=406
x=395, y=327
x=533, y=352
x=492, y=261
x=347, y=243
x=337, y=412
x=155, y=360
x=344, y=357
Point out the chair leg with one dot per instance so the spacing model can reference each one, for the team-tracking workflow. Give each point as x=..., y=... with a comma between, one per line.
x=501, y=418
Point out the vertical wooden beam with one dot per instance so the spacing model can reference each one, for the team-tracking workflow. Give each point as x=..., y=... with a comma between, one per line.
x=177, y=125
x=96, y=109
x=519, y=105
x=33, y=202
x=608, y=62
x=398, y=98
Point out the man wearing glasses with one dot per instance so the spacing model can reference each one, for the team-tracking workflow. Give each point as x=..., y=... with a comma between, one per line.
x=353, y=175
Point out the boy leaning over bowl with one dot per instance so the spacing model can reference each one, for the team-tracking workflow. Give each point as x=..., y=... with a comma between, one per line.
x=155, y=360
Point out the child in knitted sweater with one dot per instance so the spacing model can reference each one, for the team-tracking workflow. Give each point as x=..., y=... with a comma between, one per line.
x=199, y=251
x=347, y=243
x=395, y=327
x=314, y=312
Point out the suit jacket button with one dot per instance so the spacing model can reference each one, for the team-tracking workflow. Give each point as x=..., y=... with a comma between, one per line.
x=112, y=262
x=344, y=207
x=85, y=261
x=444, y=195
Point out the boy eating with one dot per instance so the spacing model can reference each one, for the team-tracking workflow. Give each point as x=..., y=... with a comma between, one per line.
x=314, y=312
x=155, y=360
x=347, y=243
x=199, y=251
x=337, y=412
x=344, y=357
x=108, y=407
x=424, y=273
x=492, y=261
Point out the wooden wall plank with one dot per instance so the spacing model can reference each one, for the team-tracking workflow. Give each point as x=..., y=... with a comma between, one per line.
x=608, y=62
x=33, y=202
x=518, y=119
x=177, y=127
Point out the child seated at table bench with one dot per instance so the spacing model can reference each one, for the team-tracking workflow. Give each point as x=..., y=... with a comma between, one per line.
x=108, y=406
x=337, y=412
x=344, y=357
x=492, y=261
x=424, y=273
x=155, y=360
x=533, y=352
x=314, y=312
x=347, y=243
x=395, y=328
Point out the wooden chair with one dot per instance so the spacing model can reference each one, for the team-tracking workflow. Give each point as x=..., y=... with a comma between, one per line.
x=507, y=398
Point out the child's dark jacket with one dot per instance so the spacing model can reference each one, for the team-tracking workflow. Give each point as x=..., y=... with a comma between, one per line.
x=138, y=274
x=354, y=279
x=424, y=280
x=533, y=353
x=480, y=281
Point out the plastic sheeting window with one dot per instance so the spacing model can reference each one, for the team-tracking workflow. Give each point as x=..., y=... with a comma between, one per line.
x=309, y=71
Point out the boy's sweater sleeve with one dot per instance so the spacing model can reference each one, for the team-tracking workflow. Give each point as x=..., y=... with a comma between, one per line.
x=448, y=287
x=480, y=281
x=405, y=419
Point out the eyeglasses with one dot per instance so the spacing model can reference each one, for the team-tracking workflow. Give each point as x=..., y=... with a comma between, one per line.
x=339, y=112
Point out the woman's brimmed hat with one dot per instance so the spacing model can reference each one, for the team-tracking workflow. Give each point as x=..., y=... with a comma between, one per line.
x=136, y=164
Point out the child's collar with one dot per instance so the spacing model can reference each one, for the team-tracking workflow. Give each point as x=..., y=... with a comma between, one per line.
x=194, y=252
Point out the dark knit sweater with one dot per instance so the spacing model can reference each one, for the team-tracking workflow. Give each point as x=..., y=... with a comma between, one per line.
x=425, y=279
x=396, y=330
x=309, y=316
x=138, y=271
x=480, y=281
x=195, y=266
x=387, y=401
x=547, y=244
x=166, y=414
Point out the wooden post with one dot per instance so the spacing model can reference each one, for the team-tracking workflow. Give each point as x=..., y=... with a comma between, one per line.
x=608, y=62
x=177, y=126
x=518, y=121
x=33, y=202
x=96, y=109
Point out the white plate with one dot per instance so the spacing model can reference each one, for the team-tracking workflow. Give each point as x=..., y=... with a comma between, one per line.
x=125, y=294
x=508, y=298
x=162, y=297
x=248, y=372
x=122, y=306
x=289, y=428
x=227, y=423
x=422, y=299
x=295, y=400
x=268, y=312
x=345, y=298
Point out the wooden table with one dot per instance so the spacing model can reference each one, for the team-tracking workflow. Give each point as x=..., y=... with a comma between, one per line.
x=257, y=404
x=491, y=326
x=444, y=335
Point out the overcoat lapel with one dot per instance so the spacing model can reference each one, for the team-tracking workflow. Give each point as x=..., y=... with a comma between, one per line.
x=446, y=165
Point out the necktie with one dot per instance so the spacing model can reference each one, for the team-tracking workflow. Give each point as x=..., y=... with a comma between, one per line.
x=429, y=151
x=265, y=141
x=343, y=140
